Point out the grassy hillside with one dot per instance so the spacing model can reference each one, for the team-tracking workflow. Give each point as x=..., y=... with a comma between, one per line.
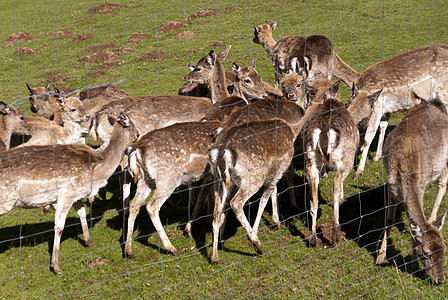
x=145, y=47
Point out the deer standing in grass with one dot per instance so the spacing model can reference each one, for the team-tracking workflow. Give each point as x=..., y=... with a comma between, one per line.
x=61, y=175
x=422, y=70
x=11, y=121
x=165, y=158
x=415, y=154
x=318, y=49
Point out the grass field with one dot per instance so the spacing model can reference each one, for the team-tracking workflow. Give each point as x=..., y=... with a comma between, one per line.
x=145, y=48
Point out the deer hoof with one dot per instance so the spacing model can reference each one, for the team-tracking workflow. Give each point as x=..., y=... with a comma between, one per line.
x=56, y=270
x=357, y=174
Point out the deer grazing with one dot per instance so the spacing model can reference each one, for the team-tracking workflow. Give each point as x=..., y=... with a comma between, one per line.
x=61, y=175
x=11, y=121
x=330, y=140
x=415, y=154
x=422, y=70
x=318, y=49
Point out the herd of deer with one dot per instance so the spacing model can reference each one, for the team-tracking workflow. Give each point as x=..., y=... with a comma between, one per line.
x=242, y=139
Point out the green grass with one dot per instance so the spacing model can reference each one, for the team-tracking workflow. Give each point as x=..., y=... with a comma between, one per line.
x=363, y=33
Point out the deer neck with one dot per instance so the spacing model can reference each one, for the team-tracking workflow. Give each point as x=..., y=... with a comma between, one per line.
x=269, y=45
x=298, y=126
x=217, y=83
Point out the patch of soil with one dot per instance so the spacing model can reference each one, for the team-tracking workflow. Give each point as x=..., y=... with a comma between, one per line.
x=108, y=65
x=64, y=33
x=216, y=44
x=105, y=8
x=229, y=9
x=83, y=37
x=186, y=34
x=20, y=36
x=56, y=77
x=107, y=56
x=324, y=233
x=172, y=26
x=25, y=51
x=99, y=261
x=96, y=74
x=204, y=13
x=139, y=37
x=153, y=55
x=101, y=47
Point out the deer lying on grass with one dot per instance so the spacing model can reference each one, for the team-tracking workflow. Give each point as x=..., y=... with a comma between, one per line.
x=317, y=48
x=45, y=132
x=423, y=71
x=415, y=154
x=60, y=175
x=330, y=140
x=165, y=158
x=11, y=121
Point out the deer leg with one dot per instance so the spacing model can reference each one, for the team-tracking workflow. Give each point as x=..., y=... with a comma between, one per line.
x=372, y=127
x=313, y=177
x=379, y=149
x=141, y=194
x=202, y=198
x=390, y=219
x=244, y=193
x=81, y=210
x=440, y=193
x=338, y=198
x=290, y=179
x=275, y=216
x=161, y=194
x=59, y=223
x=269, y=191
x=218, y=219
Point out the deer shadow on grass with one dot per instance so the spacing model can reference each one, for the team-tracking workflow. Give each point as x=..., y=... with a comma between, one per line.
x=362, y=218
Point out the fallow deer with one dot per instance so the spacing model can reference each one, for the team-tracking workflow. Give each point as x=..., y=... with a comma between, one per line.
x=422, y=70
x=60, y=175
x=11, y=121
x=317, y=48
x=415, y=154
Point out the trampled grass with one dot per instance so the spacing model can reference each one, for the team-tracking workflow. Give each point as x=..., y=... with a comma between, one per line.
x=92, y=48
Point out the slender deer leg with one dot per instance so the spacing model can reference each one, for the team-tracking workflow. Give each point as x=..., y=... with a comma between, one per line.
x=379, y=149
x=440, y=193
x=59, y=222
x=81, y=210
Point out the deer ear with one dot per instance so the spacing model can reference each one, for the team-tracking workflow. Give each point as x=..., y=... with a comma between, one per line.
x=415, y=230
x=354, y=91
x=124, y=120
x=47, y=87
x=252, y=64
x=31, y=90
x=211, y=58
x=373, y=97
x=273, y=25
x=57, y=91
x=4, y=108
x=440, y=221
x=335, y=88
x=223, y=54
x=236, y=69
x=60, y=102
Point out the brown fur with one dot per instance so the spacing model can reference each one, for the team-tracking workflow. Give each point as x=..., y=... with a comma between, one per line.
x=11, y=121
x=415, y=154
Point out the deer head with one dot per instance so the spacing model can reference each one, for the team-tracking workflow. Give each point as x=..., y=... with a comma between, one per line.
x=248, y=82
x=361, y=103
x=263, y=33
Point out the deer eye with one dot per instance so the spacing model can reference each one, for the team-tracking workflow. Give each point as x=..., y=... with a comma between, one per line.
x=298, y=85
x=247, y=81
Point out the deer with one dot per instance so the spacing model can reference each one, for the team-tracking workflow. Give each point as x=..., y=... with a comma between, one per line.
x=318, y=49
x=163, y=159
x=422, y=70
x=61, y=175
x=45, y=132
x=329, y=139
x=11, y=121
x=415, y=154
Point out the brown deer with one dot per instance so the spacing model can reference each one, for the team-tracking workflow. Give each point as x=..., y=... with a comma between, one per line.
x=60, y=175
x=422, y=70
x=318, y=49
x=11, y=121
x=415, y=154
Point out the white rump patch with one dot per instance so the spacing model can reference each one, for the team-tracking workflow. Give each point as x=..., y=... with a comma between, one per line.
x=315, y=137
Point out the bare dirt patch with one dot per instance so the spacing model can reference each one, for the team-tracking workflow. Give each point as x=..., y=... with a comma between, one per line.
x=101, y=47
x=139, y=37
x=153, y=55
x=105, y=56
x=203, y=13
x=186, y=34
x=105, y=8
x=96, y=74
x=83, y=37
x=20, y=36
x=99, y=261
x=172, y=26
x=108, y=65
x=216, y=44
x=324, y=233
x=25, y=51
x=64, y=33
x=56, y=77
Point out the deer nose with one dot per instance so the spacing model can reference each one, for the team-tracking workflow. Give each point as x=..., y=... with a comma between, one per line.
x=290, y=96
x=86, y=118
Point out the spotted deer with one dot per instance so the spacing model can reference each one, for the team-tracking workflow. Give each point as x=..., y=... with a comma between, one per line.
x=324, y=61
x=11, y=121
x=422, y=70
x=60, y=175
x=415, y=154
